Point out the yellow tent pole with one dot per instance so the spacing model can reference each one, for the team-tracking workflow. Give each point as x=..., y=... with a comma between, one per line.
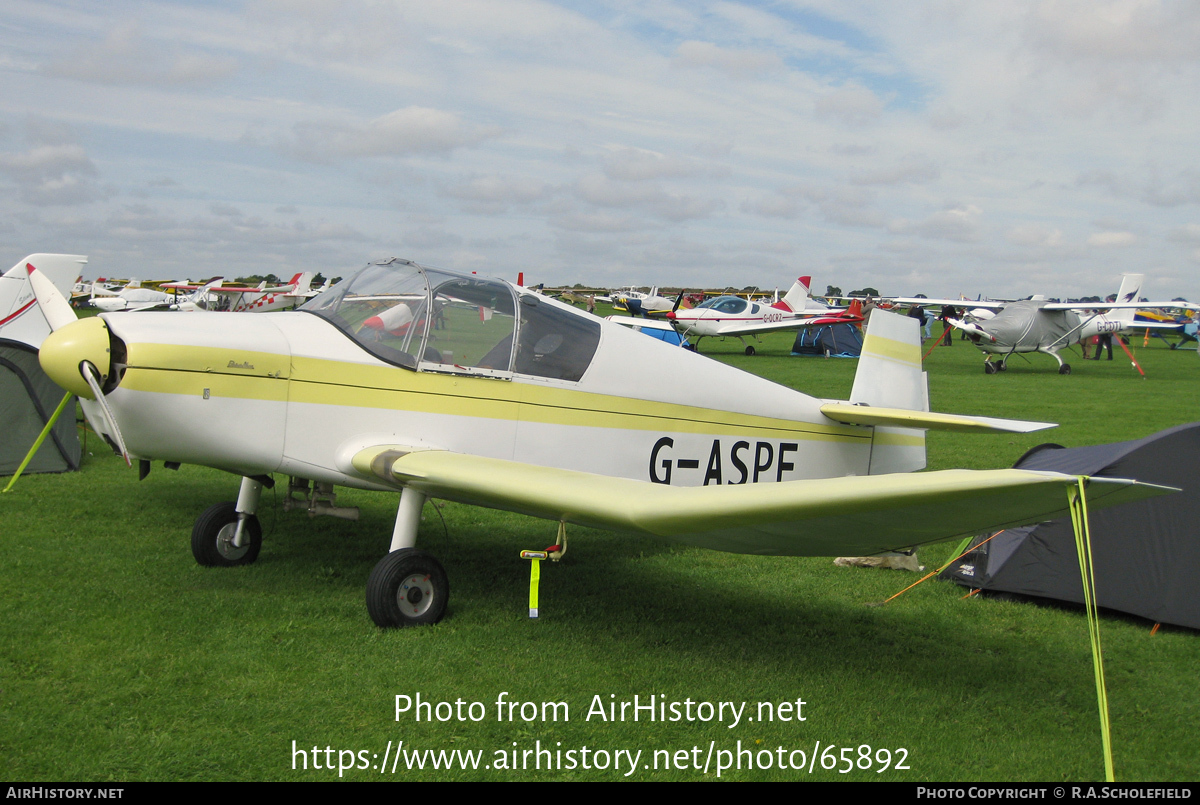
x=41, y=438
x=1077, y=500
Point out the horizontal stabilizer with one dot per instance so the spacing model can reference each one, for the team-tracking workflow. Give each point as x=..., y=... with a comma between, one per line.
x=828, y=517
x=903, y=418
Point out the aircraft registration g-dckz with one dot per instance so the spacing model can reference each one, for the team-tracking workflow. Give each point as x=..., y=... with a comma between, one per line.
x=438, y=384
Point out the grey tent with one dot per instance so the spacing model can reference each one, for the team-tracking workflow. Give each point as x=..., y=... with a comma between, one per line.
x=830, y=340
x=27, y=401
x=1146, y=554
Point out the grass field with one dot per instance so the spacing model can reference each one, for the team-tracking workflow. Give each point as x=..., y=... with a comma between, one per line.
x=121, y=659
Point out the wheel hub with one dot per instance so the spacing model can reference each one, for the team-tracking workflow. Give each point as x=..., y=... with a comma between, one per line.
x=415, y=595
x=225, y=544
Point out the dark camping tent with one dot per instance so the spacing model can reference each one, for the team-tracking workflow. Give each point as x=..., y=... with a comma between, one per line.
x=830, y=341
x=27, y=401
x=1146, y=554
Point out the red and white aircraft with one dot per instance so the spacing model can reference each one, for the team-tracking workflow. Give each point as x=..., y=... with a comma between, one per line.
x=733, y=316
x=262, y=299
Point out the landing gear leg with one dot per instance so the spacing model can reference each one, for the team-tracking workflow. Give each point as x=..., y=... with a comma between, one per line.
x=229, y=534
x=1063, y=368
x=408, y=587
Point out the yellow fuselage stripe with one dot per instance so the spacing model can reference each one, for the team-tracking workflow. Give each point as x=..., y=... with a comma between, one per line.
x=338, y=383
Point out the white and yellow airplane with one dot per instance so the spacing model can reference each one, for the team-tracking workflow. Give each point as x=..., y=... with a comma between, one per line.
x=496, y=396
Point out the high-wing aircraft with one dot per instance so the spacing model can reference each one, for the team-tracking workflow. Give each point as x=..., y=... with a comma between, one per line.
x=733, y=316
x=262, y=299
x=131, y=297
x=488, y=394
x=1038, y=325
x=21, y=318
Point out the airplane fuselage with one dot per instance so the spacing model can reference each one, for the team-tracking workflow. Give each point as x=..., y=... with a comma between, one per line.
x=315, y=397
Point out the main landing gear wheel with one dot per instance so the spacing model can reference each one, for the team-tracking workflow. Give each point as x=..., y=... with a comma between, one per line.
x=407, y=588
x=1003, y=367
x=212, y=537
x=1065, y=369
x=990, y=368
x=749, y=349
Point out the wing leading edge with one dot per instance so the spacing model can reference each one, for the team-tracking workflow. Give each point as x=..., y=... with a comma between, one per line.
x=826, y=517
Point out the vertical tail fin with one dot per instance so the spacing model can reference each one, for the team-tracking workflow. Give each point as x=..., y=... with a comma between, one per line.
x=889, y=375
x=797, y=298
x=1131, y=286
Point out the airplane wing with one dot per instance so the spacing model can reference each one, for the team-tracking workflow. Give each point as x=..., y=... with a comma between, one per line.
x=923, y=302
x=1121, y=306
x=827, y=517
x=646, y=324
x=736, y=328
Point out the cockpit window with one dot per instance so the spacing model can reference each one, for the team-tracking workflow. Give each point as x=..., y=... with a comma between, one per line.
x=555, y=342
x=724, y=304
x=438, y=321
x=383, y=307
x=472, y=327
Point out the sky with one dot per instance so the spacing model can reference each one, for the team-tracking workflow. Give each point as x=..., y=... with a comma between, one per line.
x=973, y=147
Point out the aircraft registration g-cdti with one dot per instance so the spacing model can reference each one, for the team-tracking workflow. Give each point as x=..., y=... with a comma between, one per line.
x=438, y=384
x=1037, y=325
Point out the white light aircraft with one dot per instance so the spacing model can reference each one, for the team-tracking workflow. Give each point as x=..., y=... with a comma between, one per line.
x=262, y=299
x=507, y=399
x=1038, y=325
x=131, y=297
x=735, y=317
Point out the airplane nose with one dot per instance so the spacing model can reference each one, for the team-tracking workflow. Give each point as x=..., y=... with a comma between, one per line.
x=65, y=350
x=671, y=315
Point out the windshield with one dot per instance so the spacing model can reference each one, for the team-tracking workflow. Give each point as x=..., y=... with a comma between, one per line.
x=435, y=320
x=724, y=304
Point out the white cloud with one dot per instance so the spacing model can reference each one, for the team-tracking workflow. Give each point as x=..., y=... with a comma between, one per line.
x=960, y=223
x=1108, y=239
x=639, y=164
x=127, y=57
x=737, y=63
x=53, y=175
x=915, y=170
x=1034, y=235
x=851, y=105
x=412, y=130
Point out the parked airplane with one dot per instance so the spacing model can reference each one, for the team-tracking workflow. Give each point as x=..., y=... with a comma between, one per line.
x=519, y=402
x=645, y=304
x=1038, y=325
x=131, y=297
x=235, y=298
x=733, y=316
x=21, y=318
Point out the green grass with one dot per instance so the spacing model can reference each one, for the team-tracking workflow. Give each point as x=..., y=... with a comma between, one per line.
x=121, y=659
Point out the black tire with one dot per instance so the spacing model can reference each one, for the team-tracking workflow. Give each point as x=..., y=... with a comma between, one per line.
x=989, y=368
x=1065, y=369
x=212, y=536
x=1002, y=366
x=407, y=588
x=750, y=349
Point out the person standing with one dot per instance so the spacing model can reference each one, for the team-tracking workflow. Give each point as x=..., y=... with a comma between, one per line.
x=948, y=313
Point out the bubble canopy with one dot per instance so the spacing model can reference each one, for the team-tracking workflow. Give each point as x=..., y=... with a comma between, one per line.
x=428, y=319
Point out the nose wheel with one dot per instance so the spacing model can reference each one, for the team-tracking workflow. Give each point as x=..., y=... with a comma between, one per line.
x=214, y=537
